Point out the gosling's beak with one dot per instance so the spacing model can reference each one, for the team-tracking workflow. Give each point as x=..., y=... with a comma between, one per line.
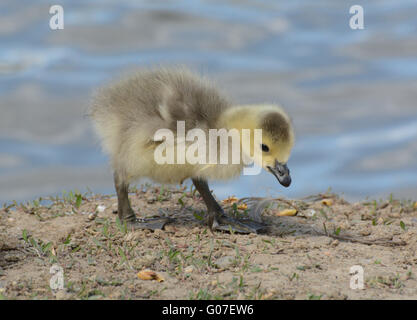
x=282, y=173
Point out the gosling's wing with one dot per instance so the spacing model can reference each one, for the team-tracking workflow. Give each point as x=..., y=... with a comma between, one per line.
x=183, y=96
x=157, y=99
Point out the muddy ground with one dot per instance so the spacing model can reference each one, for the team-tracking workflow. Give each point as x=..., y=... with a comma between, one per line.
x=306, y=256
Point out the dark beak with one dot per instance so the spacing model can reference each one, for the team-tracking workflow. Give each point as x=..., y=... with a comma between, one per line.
x=282, y=173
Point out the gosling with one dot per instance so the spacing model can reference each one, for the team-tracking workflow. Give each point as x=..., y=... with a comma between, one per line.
x=128, y=113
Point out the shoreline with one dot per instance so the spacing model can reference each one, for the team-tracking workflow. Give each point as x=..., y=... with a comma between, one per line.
x=303, y=256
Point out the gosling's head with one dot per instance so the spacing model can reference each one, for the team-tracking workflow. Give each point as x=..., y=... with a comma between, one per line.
x=273, y=151
x=277, y=143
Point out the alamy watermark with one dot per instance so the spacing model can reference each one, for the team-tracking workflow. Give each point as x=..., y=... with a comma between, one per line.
x=357, y=20
x=356, y=277
x=56, y=22
x=57, y=280
x=194, y=147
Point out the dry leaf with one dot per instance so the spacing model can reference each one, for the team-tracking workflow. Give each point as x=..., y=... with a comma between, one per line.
x=415, y=205
x=327, y=202
x=230, y=200
x=287, y=212
x=150, y=275
x=242, y=206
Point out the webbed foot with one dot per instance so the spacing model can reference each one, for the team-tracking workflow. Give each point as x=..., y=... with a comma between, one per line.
x=226, y=223
x=220, y=221
x=147, y=223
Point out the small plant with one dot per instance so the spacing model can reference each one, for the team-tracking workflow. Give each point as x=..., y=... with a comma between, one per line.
x=78, y=200
x=256, y=292
x=202, y=294
x=180, y=201
x=324, y=214
x=41, y=248
x=199, y=215
x=293, y=276
x=122, y=226
x=314, y=297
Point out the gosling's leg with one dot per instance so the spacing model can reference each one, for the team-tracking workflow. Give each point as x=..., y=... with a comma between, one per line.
x=213, y=208
x=126, y=213
x=217, y=219
x=124, y=209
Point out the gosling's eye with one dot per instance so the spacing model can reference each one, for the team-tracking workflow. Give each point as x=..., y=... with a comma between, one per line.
x=264, y=147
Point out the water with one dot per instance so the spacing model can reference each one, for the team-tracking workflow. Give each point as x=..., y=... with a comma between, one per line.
x=351, y=93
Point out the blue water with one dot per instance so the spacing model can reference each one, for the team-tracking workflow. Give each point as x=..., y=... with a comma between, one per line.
x=351, y=93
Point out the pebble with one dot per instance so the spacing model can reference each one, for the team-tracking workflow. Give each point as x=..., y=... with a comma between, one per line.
x=384, y=205
x=11, y=257
x=224, y=262
x=345, y=225
x=116, y=294
x=365, y=232
x=158, y=233
x=311, y=213
x=170, y=228
x=366, y=216
x=394, y=215
x=227, y=244
x=189, y=269
x=62, y=295
x=92, y=216
x=151, y=200
x=132, y=236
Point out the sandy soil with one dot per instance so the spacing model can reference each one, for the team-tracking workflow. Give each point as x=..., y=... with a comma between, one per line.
x=307, y=256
